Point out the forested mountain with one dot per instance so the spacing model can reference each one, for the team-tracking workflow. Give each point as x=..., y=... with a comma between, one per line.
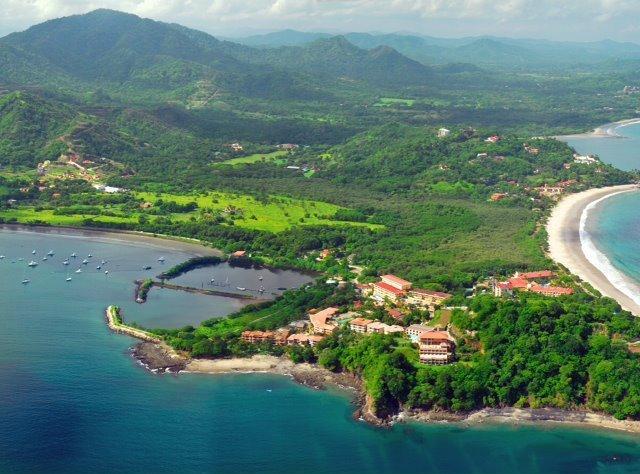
x=484, y=51
x=336, y=56
x=113, y=48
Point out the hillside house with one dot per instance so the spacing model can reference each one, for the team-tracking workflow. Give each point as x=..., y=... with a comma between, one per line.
x=415, y=330
x=443, y=132
x=360, y=325
x=426, y=299
x=304, y=339
x=437, y=347
x=322, y=321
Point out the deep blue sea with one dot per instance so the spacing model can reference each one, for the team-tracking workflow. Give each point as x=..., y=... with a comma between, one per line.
x=73, y=400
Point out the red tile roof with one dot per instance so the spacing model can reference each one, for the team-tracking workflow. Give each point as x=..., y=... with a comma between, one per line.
x=551, y=290
x=395, y=314
x=436, y=335
x=387, y=287
x=436, y=294
x=518, y=282
x=539, y=274
x=396, y=280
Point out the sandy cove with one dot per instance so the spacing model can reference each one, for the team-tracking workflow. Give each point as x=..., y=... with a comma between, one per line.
x=563, y=229
x=195, y=247
x=603, y=131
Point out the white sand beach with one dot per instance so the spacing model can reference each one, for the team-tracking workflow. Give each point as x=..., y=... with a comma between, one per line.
x=603, y=131
x=567, y=248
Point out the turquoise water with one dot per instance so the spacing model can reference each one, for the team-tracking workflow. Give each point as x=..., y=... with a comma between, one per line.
x=614, y=224
x=73, y=400
x=623, y=153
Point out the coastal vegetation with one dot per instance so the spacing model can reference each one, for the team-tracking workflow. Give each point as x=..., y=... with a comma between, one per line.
x=188, y=265
x=187, y=140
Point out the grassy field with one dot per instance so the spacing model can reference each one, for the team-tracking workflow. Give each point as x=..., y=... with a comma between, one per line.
x=28, y=215
x=388, y=101
x=273, y=213
x=255, y=158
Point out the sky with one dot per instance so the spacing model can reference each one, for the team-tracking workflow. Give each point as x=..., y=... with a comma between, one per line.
x=579, y=20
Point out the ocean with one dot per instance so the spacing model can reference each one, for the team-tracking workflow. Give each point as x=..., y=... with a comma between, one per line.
x=610, y=228
x=72, y=400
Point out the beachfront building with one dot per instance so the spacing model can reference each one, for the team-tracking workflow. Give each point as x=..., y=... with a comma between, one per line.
x=304, y=339
x=257, y=337
x=554, y=291
x=437, y=347
x=584, y=159
x=322, y=321
x=530, y=281
x=426, y=299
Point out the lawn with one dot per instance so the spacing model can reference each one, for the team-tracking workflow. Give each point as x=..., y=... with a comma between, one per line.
x=388, y=101
x=271, y=213
x=29, y=215
x=255, y=158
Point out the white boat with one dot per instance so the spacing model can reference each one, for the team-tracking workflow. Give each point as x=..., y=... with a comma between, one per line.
x=260, y=277
x=44, y=259
x=103, y=262
x=89, y=256
x=32, y=264
x=74, y=255
x=33, y=252
x=98, y=267
x=161, y=259
x=106, y=272
x=50, y=253
x=2, y=257
x=85, y=261
x=21, y=259
x=68, y=278
x=241, y=288
x=79, y=270
x=25, y=281
x=66, y=262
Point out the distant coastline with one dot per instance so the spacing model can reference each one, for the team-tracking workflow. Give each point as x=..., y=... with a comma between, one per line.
x=161, y=241
x=604, y=131
x=571, y=246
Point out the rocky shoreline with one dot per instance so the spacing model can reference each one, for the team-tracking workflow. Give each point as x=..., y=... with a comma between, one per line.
x=158, y=359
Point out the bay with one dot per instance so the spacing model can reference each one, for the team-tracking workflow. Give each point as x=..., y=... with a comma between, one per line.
x=73, y=400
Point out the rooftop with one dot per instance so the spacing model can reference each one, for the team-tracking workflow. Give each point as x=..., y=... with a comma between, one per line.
x=385, y=286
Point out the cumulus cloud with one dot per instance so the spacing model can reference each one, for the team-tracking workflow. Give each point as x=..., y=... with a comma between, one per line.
x=543, y=18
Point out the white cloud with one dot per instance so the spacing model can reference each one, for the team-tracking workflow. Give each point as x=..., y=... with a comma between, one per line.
x=542, y=18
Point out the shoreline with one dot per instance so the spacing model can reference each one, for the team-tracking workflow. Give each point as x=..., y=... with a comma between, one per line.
x=603, y=131
x=568, y=240
x=318, y=378
x=161, y=241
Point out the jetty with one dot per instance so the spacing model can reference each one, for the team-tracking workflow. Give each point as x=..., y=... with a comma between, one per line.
x=206, y=291
x=116, y=324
